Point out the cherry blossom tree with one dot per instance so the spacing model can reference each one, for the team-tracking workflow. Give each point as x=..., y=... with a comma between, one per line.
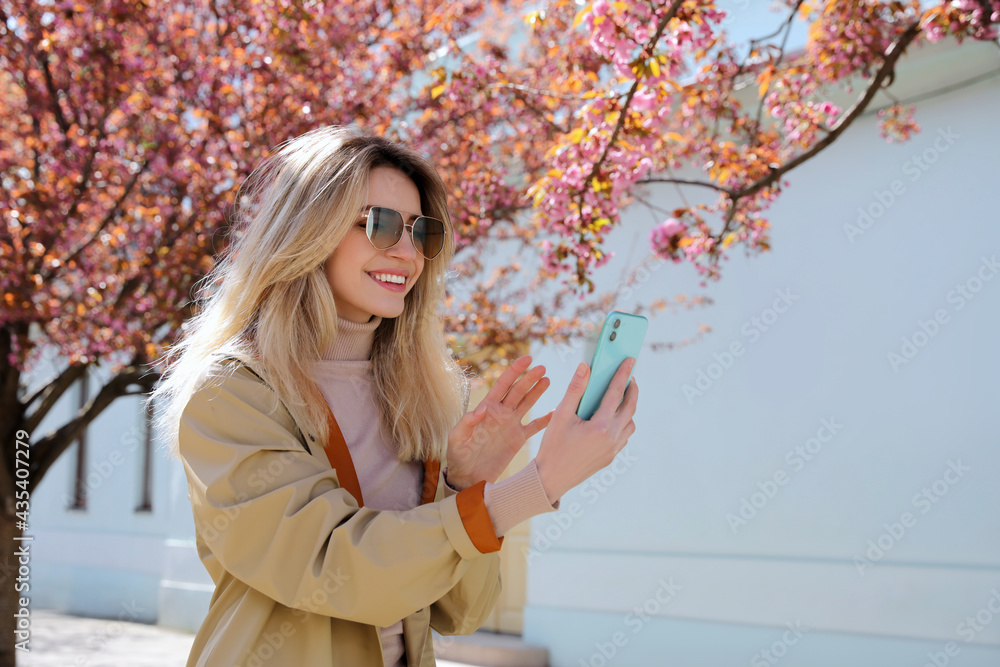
x=566, y=129
x=128, y=125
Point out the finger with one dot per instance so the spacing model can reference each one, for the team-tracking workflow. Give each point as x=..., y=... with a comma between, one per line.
x=537, y=425
x=506, y=380
x=471, y=419
x=628, y=406
x=623, y=438
x=463, y=429
x=522, y=386
x=574, y=392
x=529, y=399
x=467, y=424
x=616, y=389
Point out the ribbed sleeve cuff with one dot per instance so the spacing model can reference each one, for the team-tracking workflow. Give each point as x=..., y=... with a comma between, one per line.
x=516, y=499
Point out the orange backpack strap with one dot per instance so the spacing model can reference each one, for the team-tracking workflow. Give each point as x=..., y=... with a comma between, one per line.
x=340, y=460
x=432, y=470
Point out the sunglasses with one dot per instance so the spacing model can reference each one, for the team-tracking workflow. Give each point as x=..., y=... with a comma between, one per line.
x=385, y=228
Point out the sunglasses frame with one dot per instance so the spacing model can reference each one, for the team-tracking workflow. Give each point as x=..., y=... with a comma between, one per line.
x=366, y=213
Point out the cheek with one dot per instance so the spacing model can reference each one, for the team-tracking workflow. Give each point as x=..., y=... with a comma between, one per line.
x=337, y=274
x=346, y=264
x=345, y=278
x=420, y=272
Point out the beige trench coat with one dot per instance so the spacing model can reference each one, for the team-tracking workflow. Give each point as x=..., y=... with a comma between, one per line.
x=304, y=573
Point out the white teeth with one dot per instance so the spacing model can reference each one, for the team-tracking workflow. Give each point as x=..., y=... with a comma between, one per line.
x=389, y=278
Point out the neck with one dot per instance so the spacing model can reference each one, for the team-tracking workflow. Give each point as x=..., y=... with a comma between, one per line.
x=354, y=340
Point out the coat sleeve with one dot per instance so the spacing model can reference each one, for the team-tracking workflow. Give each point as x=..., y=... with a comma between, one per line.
x=274, y=516
x=469, y=603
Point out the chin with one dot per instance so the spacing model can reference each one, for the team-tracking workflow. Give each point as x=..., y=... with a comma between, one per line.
x=389, y=313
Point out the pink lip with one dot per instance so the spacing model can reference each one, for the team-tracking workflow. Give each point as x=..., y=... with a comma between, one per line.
x=392, y=287
x=395, y=272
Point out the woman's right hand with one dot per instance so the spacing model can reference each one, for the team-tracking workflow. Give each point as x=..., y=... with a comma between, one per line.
x=573, y=449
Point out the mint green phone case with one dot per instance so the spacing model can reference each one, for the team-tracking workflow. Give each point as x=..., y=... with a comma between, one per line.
x=617, y=343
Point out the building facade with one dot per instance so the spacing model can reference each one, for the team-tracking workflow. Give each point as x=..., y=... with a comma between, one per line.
x=811, y=483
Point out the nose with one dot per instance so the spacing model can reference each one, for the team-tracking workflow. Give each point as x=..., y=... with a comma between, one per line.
x=404, y=248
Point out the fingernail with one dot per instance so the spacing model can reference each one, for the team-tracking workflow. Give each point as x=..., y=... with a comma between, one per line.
x=581, y=370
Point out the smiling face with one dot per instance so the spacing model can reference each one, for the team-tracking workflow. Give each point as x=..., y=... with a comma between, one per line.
x=356, y=269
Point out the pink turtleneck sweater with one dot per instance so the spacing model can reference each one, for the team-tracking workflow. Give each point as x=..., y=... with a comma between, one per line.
x=345, y=377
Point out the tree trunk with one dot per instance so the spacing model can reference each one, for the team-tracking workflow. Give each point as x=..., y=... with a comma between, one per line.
x=15, y=581
x=11, y=419
x=21, y=469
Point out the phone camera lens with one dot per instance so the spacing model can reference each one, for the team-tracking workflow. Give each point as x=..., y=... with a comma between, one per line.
x=617, y=322
x=614, y=334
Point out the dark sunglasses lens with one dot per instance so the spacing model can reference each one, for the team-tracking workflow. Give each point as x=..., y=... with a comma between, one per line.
x=385, y=226
x=428, y=236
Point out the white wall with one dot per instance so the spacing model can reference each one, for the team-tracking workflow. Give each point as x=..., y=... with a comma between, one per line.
x=111, y=560
x=656, y=533
x=660, y=522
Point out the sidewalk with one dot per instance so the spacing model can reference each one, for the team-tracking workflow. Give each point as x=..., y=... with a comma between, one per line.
x=58, y=640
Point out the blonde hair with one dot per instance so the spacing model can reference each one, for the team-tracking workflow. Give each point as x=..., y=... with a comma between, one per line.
x=270, y=304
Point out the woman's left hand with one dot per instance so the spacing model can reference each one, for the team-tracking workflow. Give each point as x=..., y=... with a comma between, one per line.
x=484, y=441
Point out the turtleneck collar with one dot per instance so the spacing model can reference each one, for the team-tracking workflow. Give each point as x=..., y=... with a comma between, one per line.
x=354, y=340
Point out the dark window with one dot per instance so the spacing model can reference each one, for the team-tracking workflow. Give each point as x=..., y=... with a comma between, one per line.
x=146, y=472
x=78, y=501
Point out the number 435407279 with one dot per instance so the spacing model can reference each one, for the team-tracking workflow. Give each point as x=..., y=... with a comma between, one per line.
x=21, y=457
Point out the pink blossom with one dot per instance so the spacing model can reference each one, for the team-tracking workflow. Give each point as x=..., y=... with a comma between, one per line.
x=644, y=100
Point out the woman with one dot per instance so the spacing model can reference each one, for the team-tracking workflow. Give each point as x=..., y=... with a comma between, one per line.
x=313, y=401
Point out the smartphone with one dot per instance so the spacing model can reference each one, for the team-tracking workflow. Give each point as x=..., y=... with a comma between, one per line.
x=621, y=338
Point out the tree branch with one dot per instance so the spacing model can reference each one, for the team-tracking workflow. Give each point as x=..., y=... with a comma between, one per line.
x=47, y=450
x=535, y=110
x=534, y=91
x=50, y=394
x=660, y=27
x=892, y=55
x=781, y=55
x=684, y=181
x=50, y=85
x=113, y=213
